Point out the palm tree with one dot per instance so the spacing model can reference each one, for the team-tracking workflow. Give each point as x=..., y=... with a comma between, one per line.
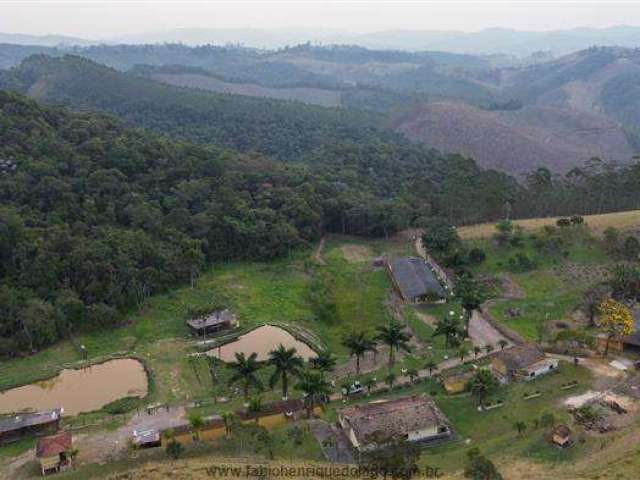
x=286, y=363
x=255, y=407
x=369, y=383
x=503, y=343
x=476, y=351
x=229, y=419
x=324, y=361
x=412, y=373
x=197, y=423
x=314, y=387
x=395, y=337
x=450, y=328
x=390, y=379
x=431, y=365
x=482, y=385
x=488, y=348
x=520, y=426
x=358, y=344
x=470, y=295
x=462, y=353
x=244, y=372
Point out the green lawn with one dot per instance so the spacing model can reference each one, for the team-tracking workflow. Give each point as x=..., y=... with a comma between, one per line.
x=548, y=299
x=493, y=431
x=550, y=295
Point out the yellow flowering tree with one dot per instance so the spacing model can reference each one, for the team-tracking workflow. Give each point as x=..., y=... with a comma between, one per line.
x=616, y=320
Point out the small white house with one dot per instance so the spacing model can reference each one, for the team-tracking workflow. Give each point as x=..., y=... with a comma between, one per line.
x=415, y=418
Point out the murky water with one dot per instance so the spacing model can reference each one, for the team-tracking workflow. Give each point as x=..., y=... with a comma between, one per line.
x=261, y=341
x=81, y=390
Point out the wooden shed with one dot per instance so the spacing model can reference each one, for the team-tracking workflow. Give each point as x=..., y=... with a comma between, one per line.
x=54, y=452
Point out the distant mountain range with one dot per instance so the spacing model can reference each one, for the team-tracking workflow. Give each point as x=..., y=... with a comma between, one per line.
x=514, y=117
x=490, y=41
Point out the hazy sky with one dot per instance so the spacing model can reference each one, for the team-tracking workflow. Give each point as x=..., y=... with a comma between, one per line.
x=101, y=19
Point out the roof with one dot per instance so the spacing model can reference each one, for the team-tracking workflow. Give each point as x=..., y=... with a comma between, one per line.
x=634, y=338
x=215, y=318
x=24, y=420
x=561, y=430
x=521, y=356
x=54, y=445
x=414, y=278
x=393, y=417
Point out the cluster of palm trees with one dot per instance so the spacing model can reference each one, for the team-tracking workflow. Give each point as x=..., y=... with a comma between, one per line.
x=286, y=363
x=392, y=335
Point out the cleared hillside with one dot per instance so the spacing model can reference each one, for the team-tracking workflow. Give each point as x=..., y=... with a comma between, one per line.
x=312, y=96
x=597, y=223
x=517, y=141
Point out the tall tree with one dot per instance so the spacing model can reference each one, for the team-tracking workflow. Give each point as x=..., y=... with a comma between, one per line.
x=286, y=362
x=243, y=371
x=395, y=337
x=315, y=388
x=358, y=344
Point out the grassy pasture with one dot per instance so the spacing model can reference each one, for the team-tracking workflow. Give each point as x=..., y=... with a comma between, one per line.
x=597, y=223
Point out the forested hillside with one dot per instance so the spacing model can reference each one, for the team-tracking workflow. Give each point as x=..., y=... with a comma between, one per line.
x=278, y=129
x=96, y=217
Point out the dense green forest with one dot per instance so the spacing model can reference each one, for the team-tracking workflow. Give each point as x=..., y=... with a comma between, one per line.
x=281, y=130
x=95, y=217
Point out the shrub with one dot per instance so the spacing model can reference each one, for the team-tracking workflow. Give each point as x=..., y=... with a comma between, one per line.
x=122, y=405
x=577, y=220
x=476, y=256
x=174, y=449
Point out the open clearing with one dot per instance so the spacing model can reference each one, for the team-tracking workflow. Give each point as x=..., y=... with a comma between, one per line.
x=597, y=223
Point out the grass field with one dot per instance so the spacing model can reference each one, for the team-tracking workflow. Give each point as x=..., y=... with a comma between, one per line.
x=259, y=292
x=597, y=223
x=554, y=286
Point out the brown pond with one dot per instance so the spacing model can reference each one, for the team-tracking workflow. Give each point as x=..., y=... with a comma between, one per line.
x=261, y=340
x=81, y=390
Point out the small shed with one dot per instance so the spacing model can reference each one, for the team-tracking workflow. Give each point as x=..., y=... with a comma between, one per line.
x=53, y=452
x=457, y=382
x=561, y=435
x=214, y=322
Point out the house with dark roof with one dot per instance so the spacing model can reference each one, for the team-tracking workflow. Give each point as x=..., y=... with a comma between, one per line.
x=522, y=362
x=415, y=280
x=415, y=418
x=54, y=452
x=214, y=322
x=15, y=427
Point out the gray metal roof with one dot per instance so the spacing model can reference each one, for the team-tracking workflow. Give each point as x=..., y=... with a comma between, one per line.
x=215, y=318
x=414, y=278
x=24, y=420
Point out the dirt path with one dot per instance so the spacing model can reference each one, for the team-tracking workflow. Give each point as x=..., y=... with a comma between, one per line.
x=319, y=251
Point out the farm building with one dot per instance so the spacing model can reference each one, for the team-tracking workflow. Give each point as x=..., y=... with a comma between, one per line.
x=54, y=452
x=272, y=415
x=415, y=280
x=415, y=418
x=15, y=427
x=457, y=382
x=213, y=323
x=622, y=344
x=522, y=362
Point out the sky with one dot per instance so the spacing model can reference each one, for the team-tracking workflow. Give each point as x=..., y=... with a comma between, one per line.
x=103, y=19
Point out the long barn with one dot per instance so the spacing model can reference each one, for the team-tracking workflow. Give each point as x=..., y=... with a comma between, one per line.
x=415, y=281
